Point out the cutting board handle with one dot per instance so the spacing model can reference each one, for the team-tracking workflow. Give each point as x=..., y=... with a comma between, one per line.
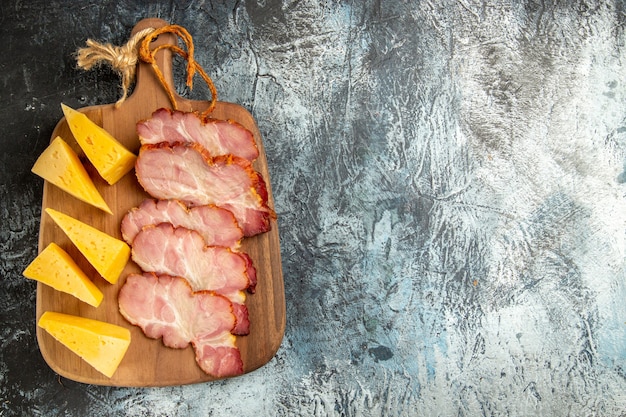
x=148, y=89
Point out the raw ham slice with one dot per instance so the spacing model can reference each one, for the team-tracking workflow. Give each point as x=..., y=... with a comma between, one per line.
x=166, y=307
x=188, y=173
x=217, y=226
x=219, y=137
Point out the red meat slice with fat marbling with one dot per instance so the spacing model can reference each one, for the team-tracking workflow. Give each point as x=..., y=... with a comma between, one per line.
x=165, y=307
x=163, y=249
x=219, y=137
x=187, y=172
x=217, y=226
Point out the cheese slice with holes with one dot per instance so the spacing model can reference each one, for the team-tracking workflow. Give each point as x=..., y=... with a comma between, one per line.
x=100, y=344
x=60, y=165
x=56, y=268
x=108, y=156
x=105, y=253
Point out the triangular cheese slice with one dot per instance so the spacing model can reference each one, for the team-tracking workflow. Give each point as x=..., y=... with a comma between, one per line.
x=105, y=253
x=108, y=156
x=102, y=345
x=55, y=268
x=59, y=165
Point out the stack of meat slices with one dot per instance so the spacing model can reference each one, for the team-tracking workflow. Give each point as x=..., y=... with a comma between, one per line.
x=206, y=198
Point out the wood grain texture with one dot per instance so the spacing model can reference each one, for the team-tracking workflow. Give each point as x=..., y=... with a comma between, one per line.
x=148, y=362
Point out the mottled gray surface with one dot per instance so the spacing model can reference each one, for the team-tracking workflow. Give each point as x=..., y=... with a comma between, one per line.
x=450, y=183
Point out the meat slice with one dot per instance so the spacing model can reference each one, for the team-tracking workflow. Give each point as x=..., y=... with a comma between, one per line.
x=163, y=249
x=182, y=252
x=242, y=326
x=217, y=226
x=186, y=172
x=219, y=137
x=166, y=307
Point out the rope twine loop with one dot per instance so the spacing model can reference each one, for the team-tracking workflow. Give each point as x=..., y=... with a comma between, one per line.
x=147, y=55
x=123, y=59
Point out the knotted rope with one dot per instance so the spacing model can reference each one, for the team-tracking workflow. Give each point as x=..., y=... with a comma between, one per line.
x=148, y=55
x=123, y=59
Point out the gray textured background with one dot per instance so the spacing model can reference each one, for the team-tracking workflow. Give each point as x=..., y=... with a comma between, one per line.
x=449, y=180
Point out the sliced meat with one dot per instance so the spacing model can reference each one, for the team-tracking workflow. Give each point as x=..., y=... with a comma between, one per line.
x=219, y=137
x=251, y=272
x=182, y=252
x=242, y=327
x=217, y=226
x=166, y=307
x=186, y=172
x=163, y=249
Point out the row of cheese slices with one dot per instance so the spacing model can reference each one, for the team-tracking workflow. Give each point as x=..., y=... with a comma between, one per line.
x=102, y=345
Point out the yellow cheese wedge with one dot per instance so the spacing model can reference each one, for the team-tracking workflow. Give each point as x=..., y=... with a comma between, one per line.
x=55, y=268
x=105, y=253
x=100, y=344
x=60, y=165
x=108, y=156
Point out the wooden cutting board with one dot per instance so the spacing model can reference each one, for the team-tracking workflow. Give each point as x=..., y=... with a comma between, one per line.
x=148, y=362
